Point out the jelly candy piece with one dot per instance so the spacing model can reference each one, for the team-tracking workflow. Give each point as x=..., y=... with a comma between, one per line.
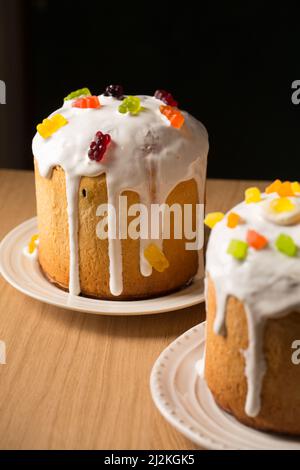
x=285, y=244
x=166, y=97
x=285, y=189
x=58, y=120
x=256, y=240
x=131, y=104
x=238, y=249
x=45, y=129
x=114, y=90
x=51, y=125
x=87, y=102
x=173, y=115
x=156, y=258
x=233, y=219
x=213, y=218
x=32, y=244
x=98, y=146
x=273, y=187
x=77, y=93
x=252, y=195
x=295, y=187
x=282, y=204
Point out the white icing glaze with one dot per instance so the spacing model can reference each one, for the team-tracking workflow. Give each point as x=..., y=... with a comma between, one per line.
x=146, y=155
x=267, y=282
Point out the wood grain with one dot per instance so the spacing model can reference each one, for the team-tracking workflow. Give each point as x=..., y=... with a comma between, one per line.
x=79, y=381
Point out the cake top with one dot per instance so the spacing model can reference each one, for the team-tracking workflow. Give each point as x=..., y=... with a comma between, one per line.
x=115, y=134
x=253, y=251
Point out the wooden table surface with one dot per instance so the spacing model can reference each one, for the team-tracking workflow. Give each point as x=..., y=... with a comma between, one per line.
x=80, y=381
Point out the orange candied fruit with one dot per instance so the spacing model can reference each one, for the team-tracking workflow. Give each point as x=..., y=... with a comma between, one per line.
x=87, y=102
x=173, y=115
x=283, y=189
x=273, y=187
x=256, y=240
x=233, y=220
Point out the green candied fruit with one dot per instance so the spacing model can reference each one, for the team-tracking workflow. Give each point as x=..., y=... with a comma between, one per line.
x=123, y=109
x=131, y=104
x=77, y=93
x=285, y=244
x=238, y=249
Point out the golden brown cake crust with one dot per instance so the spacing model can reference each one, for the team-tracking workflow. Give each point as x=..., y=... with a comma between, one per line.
x=225, y=367
x=93, y=252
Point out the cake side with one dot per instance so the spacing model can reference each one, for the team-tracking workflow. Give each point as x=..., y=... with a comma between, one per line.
x=225, y=367
x=93, y=252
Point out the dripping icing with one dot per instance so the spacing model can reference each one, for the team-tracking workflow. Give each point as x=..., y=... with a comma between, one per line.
x=147, y=137
x=267, y=282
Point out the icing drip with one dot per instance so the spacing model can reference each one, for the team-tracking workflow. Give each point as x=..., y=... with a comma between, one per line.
x=267, y=282
x=72, y=189
x=255, y=368
x=146, y=155
x=114, y=245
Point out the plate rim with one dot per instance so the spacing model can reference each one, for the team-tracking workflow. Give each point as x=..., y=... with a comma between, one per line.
x=146, y=305
x=169, y=411
x=172, y=419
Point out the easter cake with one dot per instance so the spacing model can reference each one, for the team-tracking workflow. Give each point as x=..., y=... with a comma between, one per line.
x=253, y=308
x=87, y=154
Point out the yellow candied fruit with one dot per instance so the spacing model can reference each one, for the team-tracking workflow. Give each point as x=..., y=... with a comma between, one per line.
x=233, y=220
x=156, y=258
x=282, y=204
x=252, y=195
x=213, y=218
x=32, y=244
x=295, y=187
x=51, y=125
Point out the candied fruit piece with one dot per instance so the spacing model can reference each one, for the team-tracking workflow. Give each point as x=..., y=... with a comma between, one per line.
x=285, y=189
x=282, y=204
x=51, y=125
x=156, y=258
x=213, y=218
x=87, y=102
x=252, y=195
x=166, y=97
x=114, y=90
x=233, y=220
x=285, y=244
x=175, y=117
x=131, y=104
x=295, y=187
x=32, y=244
x=98, y=146
x=256, y=240
x=273, y=187
x=77, y=93
x=238, y=249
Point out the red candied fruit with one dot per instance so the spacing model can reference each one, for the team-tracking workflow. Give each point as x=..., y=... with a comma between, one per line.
x=98, y=146
x=166, y=97
x=256, y=240
x=87, y=102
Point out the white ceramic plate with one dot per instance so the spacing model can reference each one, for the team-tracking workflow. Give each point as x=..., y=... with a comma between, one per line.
x=24, y=274
x=183, y=398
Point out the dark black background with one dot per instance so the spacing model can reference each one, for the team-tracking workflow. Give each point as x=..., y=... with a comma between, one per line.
x=231, y=64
